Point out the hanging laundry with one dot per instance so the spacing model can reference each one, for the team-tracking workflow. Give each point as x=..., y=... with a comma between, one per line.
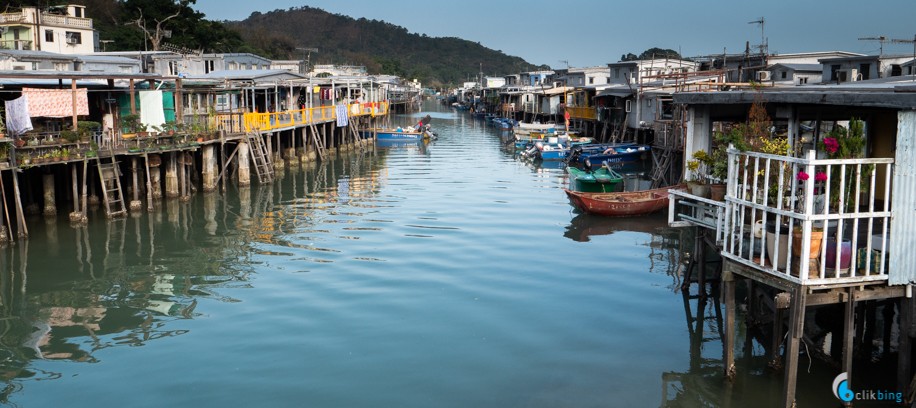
x=56, y=103
x=17, y=116
x=342, y=115
x=326, y=93
x=151, y=111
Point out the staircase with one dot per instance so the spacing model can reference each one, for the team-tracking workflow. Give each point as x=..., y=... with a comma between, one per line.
x=112, y=195
x=318, y=141
x=661, y=167
x=262, y=162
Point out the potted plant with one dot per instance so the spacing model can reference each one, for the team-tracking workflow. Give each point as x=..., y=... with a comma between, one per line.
x=696, y=181
x=70, y=136
x=130, y=125
x=86, y=129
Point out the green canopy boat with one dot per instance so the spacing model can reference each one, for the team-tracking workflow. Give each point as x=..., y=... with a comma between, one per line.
x=602, y=180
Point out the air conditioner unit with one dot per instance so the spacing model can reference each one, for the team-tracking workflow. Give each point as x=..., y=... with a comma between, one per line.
x=763, y=75
x=72, y=40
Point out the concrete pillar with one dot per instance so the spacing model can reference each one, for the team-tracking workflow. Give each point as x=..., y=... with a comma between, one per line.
x=209, y=171
x=171, y=177
x=155, y=176
x=47, y=182
x=135, y=204
x=291, y=157
x=244, y=165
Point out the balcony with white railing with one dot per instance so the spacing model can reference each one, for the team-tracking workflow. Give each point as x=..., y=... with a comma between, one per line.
x=819, y=222
x=66, y=21
x=16, y=18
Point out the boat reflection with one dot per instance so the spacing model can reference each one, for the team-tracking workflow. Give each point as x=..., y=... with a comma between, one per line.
x=584, y=226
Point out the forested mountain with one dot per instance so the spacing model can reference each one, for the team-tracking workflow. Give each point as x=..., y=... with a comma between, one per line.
x=381, y=47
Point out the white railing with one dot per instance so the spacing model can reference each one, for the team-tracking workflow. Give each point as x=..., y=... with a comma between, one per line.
x=66, y=21
x=8, y=18
x=773, y=217
x=688, y=210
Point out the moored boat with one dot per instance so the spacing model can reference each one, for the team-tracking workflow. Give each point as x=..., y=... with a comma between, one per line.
x=399, y=134
x=593, y=156
x=602, y=180
x=422, y=131
x=621, y=204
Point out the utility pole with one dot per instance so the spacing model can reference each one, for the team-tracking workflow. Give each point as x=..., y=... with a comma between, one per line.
x=308, y=56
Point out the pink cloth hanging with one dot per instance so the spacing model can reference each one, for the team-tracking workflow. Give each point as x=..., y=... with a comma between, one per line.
x=56, y=103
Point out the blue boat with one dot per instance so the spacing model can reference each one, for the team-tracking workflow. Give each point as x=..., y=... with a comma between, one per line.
x=421, y=131
x=547, y=151
x=398, y=134
x=593, y=156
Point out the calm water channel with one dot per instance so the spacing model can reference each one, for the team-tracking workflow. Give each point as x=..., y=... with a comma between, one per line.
x=446, y=275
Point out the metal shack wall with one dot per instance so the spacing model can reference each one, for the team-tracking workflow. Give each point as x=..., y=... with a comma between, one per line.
x=901, y=253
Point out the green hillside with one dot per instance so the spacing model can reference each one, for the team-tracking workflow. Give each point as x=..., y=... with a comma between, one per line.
x=381, y=47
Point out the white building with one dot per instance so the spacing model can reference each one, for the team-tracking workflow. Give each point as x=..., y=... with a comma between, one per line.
x=60, y=29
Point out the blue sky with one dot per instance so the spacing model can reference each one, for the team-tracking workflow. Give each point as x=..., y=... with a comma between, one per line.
x=596, y=32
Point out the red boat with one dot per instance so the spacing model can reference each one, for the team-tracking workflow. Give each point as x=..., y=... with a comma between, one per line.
x=621, y=204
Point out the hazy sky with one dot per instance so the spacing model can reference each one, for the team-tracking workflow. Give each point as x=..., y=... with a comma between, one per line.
x=596, y=32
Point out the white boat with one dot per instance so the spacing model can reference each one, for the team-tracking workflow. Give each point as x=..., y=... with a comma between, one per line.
x=526, y=129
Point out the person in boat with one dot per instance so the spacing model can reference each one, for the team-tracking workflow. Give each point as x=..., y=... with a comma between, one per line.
x=609, y=150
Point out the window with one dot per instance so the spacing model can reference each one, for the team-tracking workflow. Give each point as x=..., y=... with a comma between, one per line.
x=616, y=72
x=77, y=12
x=74, y=37
x=802, y=80
x=834, y=72
x=785, y=74
x=49, y=35
x=591, y=80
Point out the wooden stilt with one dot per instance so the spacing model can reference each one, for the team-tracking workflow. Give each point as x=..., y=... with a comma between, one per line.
x=21, y=231
x=149, y=184
x=849, y=331
x=6, y=211
x=728, y=342
x=796, y=331
x=74, y=182
x=85, y=198
x=904, y=344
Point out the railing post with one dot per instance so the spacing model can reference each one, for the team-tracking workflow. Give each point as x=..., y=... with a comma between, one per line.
x=731, y=188
x=804, y=262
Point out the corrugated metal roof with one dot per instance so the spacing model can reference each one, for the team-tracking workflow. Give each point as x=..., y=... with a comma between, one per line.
x=800, y=67
x=559, y=90
x=18, y=54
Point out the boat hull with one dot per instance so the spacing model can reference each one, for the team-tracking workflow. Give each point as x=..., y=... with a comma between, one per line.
x=621, y=204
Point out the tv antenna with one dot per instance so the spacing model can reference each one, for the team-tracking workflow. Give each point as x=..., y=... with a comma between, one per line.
x=880, y=39
x=763, y=39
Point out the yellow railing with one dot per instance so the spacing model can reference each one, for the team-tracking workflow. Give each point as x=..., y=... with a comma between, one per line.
x=266, y=122
x=588, y=113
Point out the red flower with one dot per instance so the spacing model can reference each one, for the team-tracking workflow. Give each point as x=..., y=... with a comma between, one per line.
x=831, y=145
x=820, y=176
x=802, y=176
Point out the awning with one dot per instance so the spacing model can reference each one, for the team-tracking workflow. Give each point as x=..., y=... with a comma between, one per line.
x=618, y=92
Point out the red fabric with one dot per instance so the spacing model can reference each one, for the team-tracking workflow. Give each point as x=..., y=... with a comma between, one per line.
x=56, y=103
